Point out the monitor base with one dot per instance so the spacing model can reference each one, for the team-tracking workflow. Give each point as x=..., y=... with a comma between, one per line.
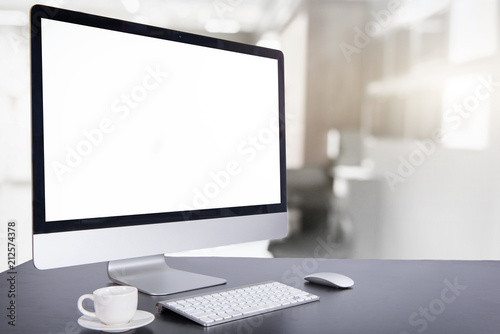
x=152, y=275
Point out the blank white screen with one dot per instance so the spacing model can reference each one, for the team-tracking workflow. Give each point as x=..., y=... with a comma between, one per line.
x=137, y=125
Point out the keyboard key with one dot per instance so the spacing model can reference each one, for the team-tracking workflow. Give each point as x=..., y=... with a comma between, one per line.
x=237, y=303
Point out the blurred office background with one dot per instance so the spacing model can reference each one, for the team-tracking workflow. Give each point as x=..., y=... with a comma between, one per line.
x=392, y=110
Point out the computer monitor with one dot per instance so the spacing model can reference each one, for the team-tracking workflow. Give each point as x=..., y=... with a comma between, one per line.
x=147, y=141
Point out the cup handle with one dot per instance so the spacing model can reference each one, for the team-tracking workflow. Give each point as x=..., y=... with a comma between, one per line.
x=80, y=305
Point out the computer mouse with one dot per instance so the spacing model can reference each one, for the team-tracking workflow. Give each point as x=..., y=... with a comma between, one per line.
x=330, y=279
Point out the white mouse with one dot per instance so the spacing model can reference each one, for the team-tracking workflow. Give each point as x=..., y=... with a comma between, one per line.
x=330, y=279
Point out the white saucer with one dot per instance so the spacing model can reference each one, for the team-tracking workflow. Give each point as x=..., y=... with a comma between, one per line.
x=141, y=318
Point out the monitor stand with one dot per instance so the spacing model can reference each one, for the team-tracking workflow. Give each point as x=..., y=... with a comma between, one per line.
x=153, y=276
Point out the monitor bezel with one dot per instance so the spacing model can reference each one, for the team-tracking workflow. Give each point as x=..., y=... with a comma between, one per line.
x=40, y=225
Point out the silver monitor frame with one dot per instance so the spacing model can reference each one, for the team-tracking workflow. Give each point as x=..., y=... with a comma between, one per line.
x=135, y=246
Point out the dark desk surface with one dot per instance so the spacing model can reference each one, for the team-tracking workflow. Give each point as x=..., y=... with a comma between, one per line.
x=389, y=297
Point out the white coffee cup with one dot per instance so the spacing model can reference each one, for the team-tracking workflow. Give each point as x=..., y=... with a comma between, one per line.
x=114, y=305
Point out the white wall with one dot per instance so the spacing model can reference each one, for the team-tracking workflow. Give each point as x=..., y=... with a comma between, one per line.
x=447, y=208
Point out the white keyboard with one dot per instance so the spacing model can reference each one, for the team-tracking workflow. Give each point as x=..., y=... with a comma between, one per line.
x=213, y=308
